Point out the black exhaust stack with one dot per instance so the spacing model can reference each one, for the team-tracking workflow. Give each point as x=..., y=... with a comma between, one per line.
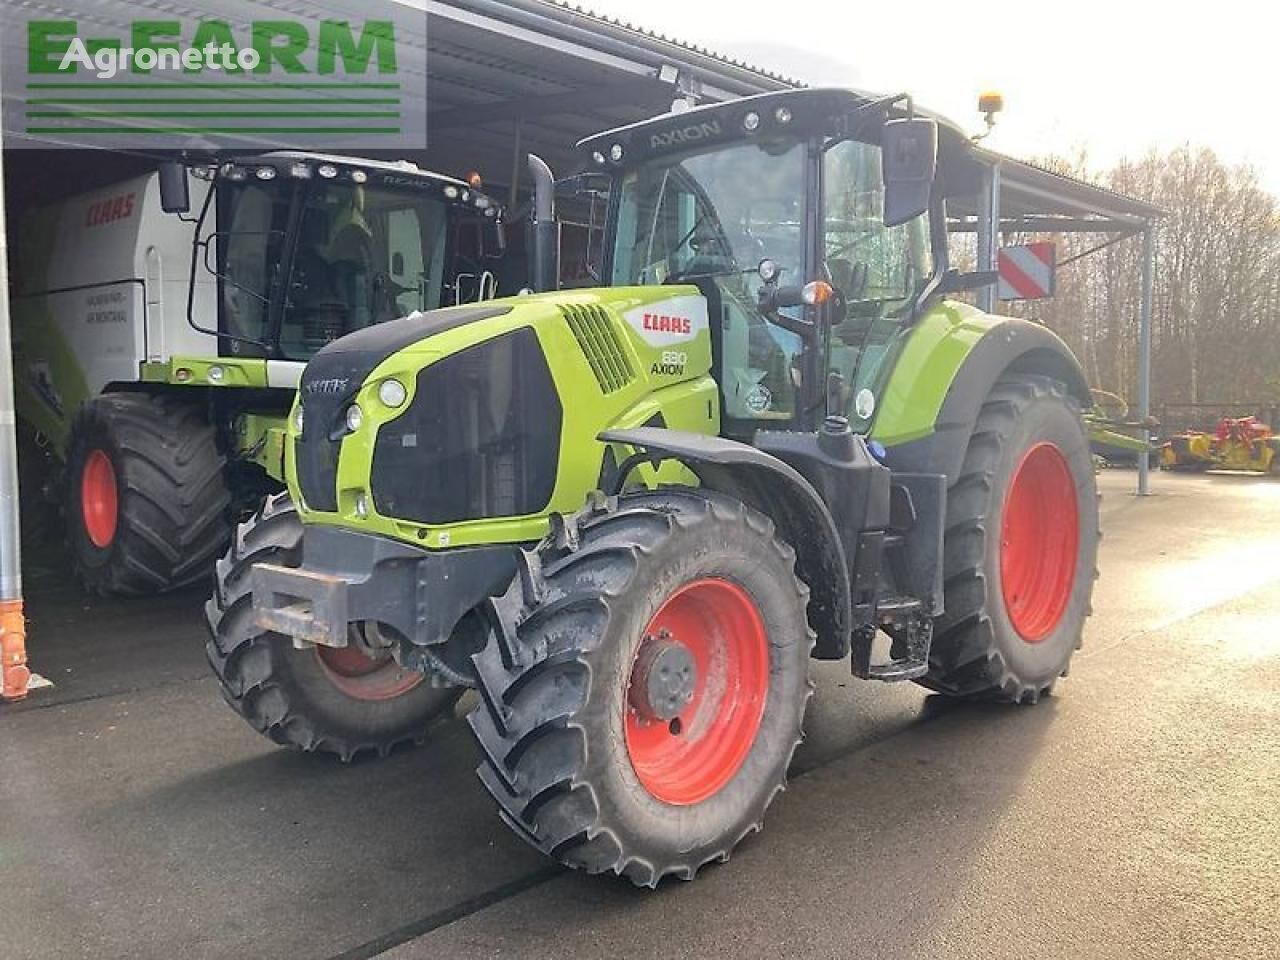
x=544, y=240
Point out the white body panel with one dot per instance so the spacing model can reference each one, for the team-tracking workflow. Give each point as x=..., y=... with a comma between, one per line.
x=110, y=271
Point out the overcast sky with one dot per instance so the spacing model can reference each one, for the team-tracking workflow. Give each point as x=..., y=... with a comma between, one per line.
x=1115, y=77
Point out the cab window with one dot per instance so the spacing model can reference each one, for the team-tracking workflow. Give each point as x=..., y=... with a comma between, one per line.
x=876, y=271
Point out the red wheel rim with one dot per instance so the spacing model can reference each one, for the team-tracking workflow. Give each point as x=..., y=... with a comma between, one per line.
x=363, y=677
x=99, y=499
x=690, y=757
x=1040, y=534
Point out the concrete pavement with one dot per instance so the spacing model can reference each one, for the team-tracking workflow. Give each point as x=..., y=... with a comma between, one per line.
x=1133, y=814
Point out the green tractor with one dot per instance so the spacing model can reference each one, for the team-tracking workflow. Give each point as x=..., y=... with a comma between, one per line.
x=629, y=516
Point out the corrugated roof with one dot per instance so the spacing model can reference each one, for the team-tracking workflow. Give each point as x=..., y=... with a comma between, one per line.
x=589, y=14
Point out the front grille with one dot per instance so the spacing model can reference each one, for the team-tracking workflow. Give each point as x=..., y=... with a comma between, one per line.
x=317, y=463
x=481, y=438
x=599, y=341
x=329, y=384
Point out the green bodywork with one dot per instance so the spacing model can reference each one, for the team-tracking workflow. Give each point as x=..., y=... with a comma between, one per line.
x=49, y=385
x=918, y=372
x=194, y=372
x=688, y=401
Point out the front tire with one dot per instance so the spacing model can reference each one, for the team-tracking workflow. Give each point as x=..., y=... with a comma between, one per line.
x=1021, y=548
x=644, y=714
x=341, y=701
x=145, y=496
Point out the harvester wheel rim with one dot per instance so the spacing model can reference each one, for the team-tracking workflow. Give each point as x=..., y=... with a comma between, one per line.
x=684, y=759
x=1040, y=533
x=363, y=677
x=99, y=499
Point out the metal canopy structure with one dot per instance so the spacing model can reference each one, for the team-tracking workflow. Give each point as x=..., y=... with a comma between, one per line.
x=516, y=76
x=506, y=77
x=1020, y=197
x=1036, y=200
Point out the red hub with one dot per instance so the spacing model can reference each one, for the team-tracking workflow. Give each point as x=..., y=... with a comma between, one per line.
x=99, y=500
x=366, y=675
x=1039, y=537
x=697, y=691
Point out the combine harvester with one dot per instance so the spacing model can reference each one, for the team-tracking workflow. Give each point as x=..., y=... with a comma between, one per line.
x=628, y=516
x=157, y=356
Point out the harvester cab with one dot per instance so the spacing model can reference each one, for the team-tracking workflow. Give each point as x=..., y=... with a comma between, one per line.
x=630, y=515
x=305, y=248
x=159, y=349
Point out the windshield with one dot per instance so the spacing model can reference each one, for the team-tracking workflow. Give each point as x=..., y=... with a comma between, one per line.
x=709, y=219
x=363, y=255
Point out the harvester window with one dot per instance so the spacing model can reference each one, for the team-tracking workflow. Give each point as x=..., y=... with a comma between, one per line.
x=708, y=220
x=877, y=271
x=249, y=250
x=364, y=255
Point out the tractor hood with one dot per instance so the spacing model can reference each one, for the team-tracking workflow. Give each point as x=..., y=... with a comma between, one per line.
x=338, y=369
x=336, y=373
x=471, y=424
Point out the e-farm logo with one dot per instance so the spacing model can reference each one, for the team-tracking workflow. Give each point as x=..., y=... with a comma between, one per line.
x=268, y=80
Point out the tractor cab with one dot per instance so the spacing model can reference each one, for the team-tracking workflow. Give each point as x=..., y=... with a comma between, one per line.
x=305, y=248
x=805, y=219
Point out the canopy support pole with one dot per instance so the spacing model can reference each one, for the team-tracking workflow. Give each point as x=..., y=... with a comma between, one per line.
x=15, y=677
x=1144, y=353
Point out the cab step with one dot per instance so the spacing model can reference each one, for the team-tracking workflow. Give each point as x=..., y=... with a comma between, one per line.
x=912, y=634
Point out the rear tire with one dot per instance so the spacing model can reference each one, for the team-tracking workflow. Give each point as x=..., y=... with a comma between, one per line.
x=1021, y=548
x=580, y=771
x=145, y=497
x=314, y=699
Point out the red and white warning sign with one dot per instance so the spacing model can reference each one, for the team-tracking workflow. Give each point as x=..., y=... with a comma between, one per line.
x=1027, y=271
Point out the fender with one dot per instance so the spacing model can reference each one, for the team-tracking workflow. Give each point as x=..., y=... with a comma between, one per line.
x=780, y=492
x=996, y=346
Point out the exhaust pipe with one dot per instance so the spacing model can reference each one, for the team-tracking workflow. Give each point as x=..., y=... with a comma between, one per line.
x=544, y=241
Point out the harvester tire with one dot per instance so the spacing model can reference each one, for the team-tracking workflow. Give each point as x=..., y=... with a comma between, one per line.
x=145, y=496
x=593, y=757
x=1021, y=548
x=313, y=699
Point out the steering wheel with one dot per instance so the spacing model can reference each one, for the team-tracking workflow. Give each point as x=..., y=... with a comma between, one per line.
x=386, y=292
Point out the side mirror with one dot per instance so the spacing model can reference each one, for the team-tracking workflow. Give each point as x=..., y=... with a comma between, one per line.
x=175, y=191
x=908, y=163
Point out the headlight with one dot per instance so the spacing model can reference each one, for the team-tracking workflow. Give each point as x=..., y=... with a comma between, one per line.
x=392, y=393
x=355, y=417
x=751, y=122
x=297, y=419
x=327, y=170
